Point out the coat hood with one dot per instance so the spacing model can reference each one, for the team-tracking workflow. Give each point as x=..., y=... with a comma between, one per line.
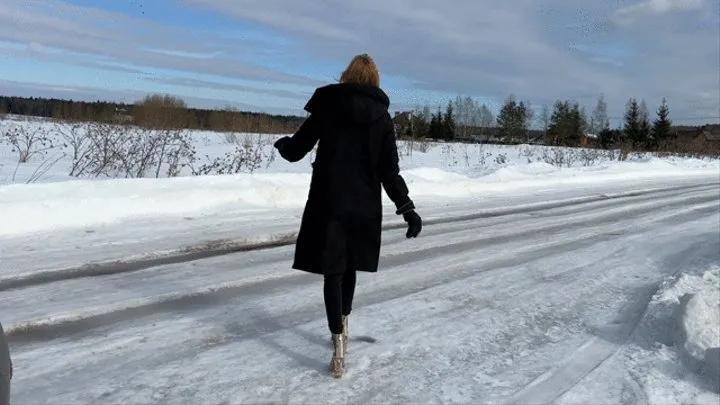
x=363, y=104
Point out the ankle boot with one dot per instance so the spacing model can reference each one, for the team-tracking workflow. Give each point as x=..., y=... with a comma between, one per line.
x=337, y=363
x=345, y=333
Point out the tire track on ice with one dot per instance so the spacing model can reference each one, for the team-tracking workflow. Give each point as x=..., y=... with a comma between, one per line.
x=576, y=237
x=225, y=247
x=553, y=384
x=547, y=228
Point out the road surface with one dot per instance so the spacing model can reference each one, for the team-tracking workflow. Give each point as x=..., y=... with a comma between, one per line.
x=518, y=307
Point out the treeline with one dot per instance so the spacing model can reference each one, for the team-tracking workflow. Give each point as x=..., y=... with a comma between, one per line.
x=465, y=119
x=566, y=124
x=154, y=111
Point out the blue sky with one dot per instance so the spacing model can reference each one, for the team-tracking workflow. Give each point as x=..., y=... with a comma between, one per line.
x=270, y=55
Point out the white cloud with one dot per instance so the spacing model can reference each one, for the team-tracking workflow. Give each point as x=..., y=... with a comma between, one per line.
x=98, y=36
x=537, y=50
x=650, y=7
x=525, y=47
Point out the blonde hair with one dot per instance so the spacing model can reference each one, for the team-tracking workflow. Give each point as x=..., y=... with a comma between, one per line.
x=361, y=70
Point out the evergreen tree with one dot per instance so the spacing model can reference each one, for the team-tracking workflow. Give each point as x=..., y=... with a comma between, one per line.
x=506, y=118
x=631, y=127
x=448, y=123
x=581, y=119
x=662, y=125
x=645, y=128
x=513, y=120
x=609, y=138
x=556, y=129
x=435, y=130
x=567, y=124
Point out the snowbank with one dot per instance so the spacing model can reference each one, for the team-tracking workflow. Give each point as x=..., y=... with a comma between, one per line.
x=698, y=329
x=674, y=355
x=28, y=208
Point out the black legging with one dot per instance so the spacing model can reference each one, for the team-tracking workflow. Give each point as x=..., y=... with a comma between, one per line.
x=339, y=290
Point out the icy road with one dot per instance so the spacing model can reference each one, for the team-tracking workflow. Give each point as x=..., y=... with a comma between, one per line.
x=515, y=304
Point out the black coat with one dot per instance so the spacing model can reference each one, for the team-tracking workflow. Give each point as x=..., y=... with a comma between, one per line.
x=356, y=157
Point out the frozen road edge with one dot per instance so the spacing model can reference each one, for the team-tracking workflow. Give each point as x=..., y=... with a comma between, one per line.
x=551, y=385
x=215, y=248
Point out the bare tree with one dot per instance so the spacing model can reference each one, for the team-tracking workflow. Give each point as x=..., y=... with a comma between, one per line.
x=26, y=140
x=161, y=111
x=466, y=115
x=75, y=136
x=103, y=149
x=544, y=118
x=599, y=118
x=529, y=116
x=470, y=116
x=486, y=119
x=162, y=100
x=247, y=157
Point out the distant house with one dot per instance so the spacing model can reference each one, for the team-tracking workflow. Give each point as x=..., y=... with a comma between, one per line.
x=589, y=140
x=698, y=139
x=687, y=134
x=536, y=139
x=492, y=136
x=122, y=115
x=487, y=138
x=711, y=133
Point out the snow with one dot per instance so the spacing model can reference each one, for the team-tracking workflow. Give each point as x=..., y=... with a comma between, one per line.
x=698, y=317
x=56, y=202
x=82, y=203
x=673, y=356
x=542, y=275
x=683, y=367
x=702, y=323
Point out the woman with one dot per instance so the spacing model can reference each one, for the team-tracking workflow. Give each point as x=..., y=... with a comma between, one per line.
x=340, y=231
x=5, y=369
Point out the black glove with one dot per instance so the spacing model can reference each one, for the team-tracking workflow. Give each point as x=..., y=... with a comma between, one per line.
x=414, y=223
x=280, y=143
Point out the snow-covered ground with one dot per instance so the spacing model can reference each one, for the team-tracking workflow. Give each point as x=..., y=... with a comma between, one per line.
x=541, y=275
x=673, y=356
